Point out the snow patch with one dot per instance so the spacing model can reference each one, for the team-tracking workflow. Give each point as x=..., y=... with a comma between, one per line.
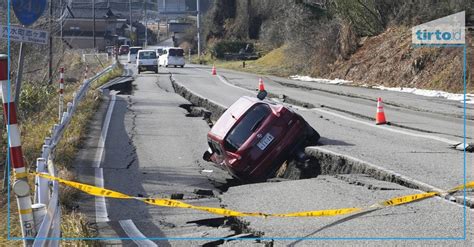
x=319, y=80
x=431, y=93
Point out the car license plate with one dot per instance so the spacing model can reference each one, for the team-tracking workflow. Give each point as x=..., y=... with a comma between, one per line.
x=266, y=140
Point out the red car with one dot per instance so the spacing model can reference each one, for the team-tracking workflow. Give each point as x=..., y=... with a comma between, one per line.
x=124, y=49
x=254, y=137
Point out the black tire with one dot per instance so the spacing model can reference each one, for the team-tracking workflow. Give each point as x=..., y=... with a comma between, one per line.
x=176, y=66
x=182, y=66
x=139, y=71
x=156, y=71
x=166, y=66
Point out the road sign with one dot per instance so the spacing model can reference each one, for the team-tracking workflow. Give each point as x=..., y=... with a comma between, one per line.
x=23, y=34
x=28, y=11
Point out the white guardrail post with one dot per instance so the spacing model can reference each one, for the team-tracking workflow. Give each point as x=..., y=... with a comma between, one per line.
x=48, y=218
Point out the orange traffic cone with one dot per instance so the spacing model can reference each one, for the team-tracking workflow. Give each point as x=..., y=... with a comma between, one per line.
x=214, y=71
x=261, y=86
x=380, y=117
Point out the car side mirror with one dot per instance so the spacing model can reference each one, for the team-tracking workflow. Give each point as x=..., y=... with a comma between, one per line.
x=207, y=156
x=262, y=95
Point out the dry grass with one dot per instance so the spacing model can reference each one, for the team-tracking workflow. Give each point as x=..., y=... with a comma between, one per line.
x=76, y=225
x=273, y=63
x=387, y=59
x=34, y=130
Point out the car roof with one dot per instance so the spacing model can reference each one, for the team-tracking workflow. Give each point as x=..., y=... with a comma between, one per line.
x=140, y=51
x=231, y=115
x=137, y=47
x=173, y=48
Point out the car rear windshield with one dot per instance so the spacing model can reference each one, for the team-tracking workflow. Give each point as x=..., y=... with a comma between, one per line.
x=134, y=50
x=147, y=55
x=250, y=122
x=176, y=52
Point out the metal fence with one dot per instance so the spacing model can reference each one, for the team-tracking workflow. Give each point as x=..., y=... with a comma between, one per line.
x=46, y=209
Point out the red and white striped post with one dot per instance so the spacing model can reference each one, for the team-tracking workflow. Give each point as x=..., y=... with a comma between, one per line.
x=20, y=187
x=61, y=93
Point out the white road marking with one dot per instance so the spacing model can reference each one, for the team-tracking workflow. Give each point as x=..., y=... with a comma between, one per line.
x=436, y=138
x=132, y=231
x=101, y=214
x=226, y=82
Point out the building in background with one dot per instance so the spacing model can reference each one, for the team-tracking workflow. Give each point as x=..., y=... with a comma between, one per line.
x=78, y=28
x=112, y=21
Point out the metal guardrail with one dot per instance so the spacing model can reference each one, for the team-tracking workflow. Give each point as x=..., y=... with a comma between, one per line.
x=49, y=232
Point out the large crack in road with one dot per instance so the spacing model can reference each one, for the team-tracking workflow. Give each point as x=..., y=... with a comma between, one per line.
x=322, y=167
x=318, y=183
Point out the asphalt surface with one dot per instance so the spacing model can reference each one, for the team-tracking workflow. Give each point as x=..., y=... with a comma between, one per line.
x=415, y=154
x=154, y=149
x=426, y=155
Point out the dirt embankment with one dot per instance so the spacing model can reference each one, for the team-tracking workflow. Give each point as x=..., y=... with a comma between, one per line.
x=389, y=59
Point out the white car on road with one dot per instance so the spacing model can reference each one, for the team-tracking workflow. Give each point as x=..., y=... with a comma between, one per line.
x=172, y=56
x=147, y=60
x=132, y=54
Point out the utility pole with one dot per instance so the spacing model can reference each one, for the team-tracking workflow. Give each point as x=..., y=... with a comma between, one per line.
x=131, y=26
x=159, y=19
x=146, y=26
x=93, y=27
x=198, y=20
x=50, y=58
x=61, y=23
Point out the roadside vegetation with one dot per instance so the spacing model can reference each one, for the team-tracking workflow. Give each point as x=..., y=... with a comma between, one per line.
x=364, y=41
x=38, y=112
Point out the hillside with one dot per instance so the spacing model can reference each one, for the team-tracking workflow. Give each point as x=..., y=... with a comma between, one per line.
x=365, y=41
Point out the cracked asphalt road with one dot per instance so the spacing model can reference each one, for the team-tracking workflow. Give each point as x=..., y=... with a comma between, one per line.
x=153, y=149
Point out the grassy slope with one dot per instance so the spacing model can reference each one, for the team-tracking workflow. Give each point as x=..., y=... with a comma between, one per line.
x=274, y=63
x=34, y=130
x=387, y=59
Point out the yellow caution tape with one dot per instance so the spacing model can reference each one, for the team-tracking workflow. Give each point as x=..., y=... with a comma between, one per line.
x=89, y=189
x=407, y=199
x=26, y=211
x=20, y=175
x=461, y=187
x=396, y=201
x=320, y=213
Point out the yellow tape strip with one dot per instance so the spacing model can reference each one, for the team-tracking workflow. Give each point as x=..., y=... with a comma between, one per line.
x=320, y=213
x=97, y=191
x=89, y=189
x=407, y=199
x=26, y=211
x=21, y=175
x=469, y=185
